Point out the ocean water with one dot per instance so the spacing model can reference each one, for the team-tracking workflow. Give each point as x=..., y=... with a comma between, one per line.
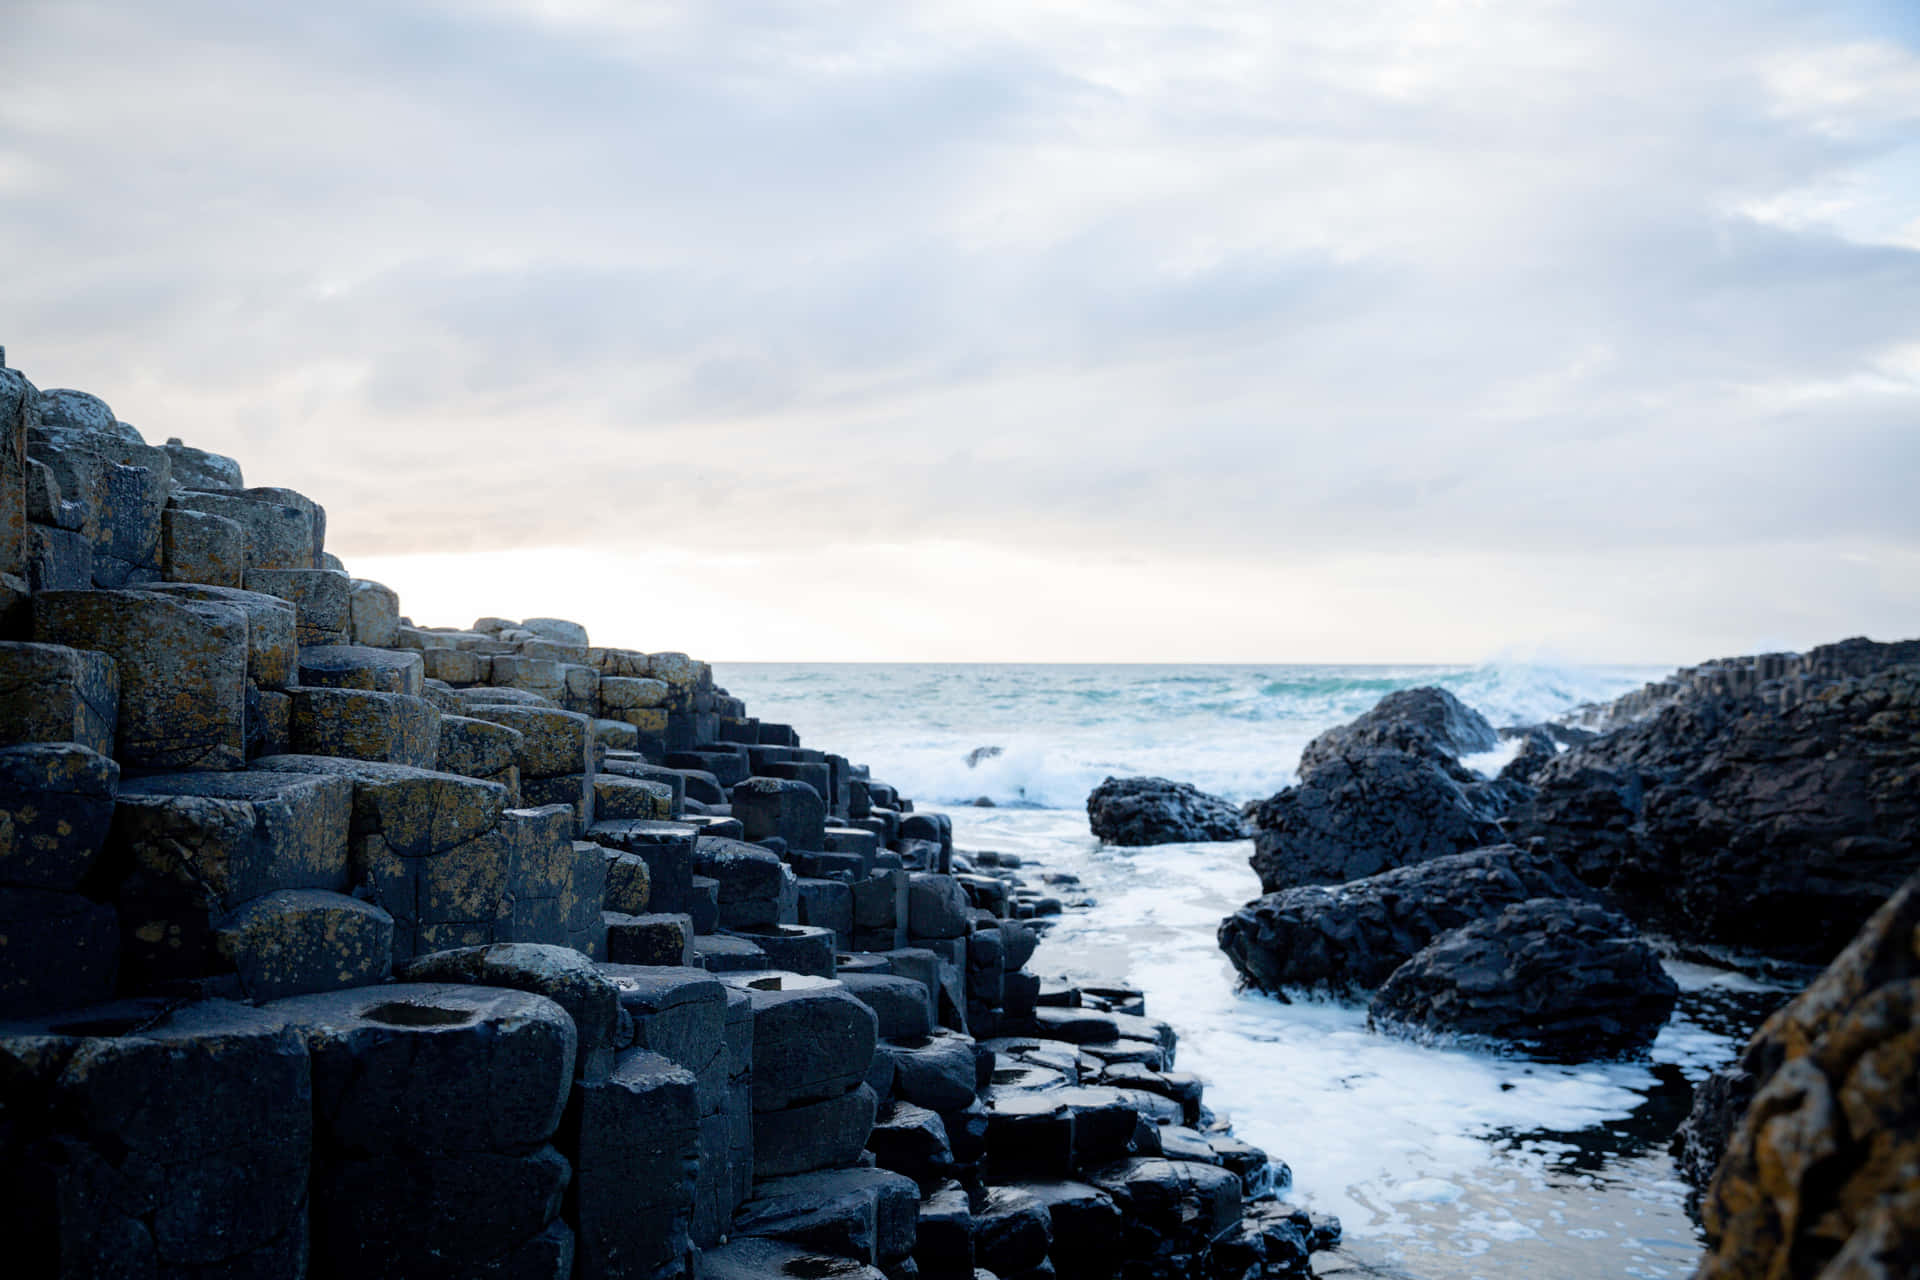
x=1443, y=1162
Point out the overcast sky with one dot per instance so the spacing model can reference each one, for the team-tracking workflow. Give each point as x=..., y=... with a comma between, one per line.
x=1398, y=330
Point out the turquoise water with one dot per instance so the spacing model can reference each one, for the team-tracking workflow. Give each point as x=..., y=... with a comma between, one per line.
x=1442, y=1162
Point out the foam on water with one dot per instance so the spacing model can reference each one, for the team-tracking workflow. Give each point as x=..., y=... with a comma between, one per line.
x=1236, y=731
x=1442, y=1160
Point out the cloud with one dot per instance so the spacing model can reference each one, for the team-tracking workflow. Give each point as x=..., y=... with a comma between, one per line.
x=1214, y=286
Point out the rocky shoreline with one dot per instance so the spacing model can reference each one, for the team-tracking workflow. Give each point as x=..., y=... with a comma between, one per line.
x=1761, y=809
x=332, y=944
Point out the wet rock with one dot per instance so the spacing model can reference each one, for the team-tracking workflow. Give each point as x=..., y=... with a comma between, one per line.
x=1427, y=721
x=1564, y=979
x=1347, y=938
x=1029, y=1135
x=1738, y=822
x=944, y=1244
x=1171, y=1208
x=903, y=1005
x=1012, y=1231
x=145, y=1140
x=912, y=1140
x=936, y=906
x=1143, y=811
x=445, y=1216
x=1357, y=815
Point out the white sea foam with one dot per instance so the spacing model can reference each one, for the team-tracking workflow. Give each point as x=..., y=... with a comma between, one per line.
x=1448, y=1161
x=1233, y=731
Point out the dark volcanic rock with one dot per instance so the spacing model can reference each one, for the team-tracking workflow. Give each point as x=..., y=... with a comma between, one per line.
x=1537, y=750
x=1349, y=938
x=1731, y=821
x=1820, y=1120
x=1427, y=721
x=1563, y=978
x=1137, y=811
x=1360, y=814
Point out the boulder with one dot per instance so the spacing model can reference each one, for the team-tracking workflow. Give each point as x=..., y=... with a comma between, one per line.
x=1742, y=822
x=1427, y=721
x=1363, y=813
x=1140, y=811
x=1347, y=938
x=1564, y=979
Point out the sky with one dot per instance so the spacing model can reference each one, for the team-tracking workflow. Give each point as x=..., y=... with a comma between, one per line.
x=1418, y=330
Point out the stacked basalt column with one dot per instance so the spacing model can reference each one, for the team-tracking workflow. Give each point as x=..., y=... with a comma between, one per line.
x=529, y=958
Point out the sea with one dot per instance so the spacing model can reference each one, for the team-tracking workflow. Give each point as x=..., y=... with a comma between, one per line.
x=1443, y=1161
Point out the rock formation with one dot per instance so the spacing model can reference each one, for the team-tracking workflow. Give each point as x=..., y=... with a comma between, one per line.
x=336, y=945
x=1559, y=978
x=1346, y=939
x=1137, y=811
x=1776, y=819
x=1382, y=792
x=1816, y=1129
